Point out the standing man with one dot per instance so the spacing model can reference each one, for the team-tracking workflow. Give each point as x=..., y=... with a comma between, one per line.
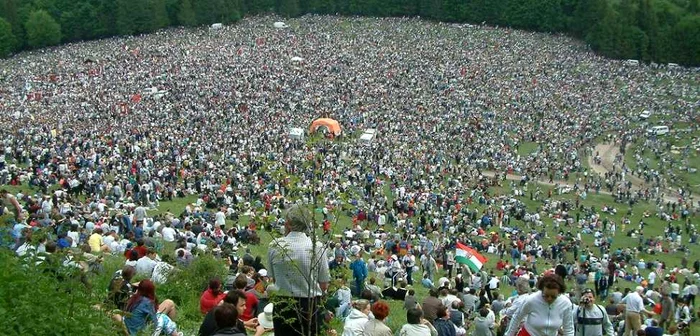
x=429, y=265
x=652, y=280
x=409, y=261
x=359, y=272
x=449, y=262
x=634, y=308
x=301, y=273
x=591, y=319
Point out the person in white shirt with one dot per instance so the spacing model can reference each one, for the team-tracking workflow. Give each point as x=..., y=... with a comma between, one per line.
x=683, y=312
x=652, y=280
x=168, y=232
x=522, y=287
x=546, y=311
x=675, y=289
x=492, y=287
x=220, y=218
x=146, y=264
x=633, y=310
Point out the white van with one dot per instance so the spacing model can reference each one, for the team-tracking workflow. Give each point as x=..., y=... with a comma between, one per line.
x=632, y=62
x=645, y=115
x=296, y=133
x=658, y=130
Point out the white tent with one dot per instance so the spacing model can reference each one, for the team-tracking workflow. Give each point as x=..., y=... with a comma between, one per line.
x=297, y=59
x=368, y=136
x=217, y=26
x=279, y=25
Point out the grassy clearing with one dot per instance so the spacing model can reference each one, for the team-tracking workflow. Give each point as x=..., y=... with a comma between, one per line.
x=527, y=148
x=674, y=155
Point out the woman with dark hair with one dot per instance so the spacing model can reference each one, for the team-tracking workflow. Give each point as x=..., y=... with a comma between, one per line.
x=443, y=324
x=211, y=297
x=544, y=312
x=376, y=326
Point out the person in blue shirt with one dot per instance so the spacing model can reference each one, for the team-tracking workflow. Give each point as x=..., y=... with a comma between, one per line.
x=138, y=231
x=359, y=272
x=63, y=241
x=654, y=329
x=427, y=283
x=141, y=307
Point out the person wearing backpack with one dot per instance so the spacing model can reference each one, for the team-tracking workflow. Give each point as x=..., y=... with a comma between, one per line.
x=591, y=319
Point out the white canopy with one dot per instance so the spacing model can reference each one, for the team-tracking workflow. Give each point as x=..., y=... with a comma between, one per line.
x=367, y=137
x=217, y=26
x=297, y=59
x=296, y=133
x=279, y=25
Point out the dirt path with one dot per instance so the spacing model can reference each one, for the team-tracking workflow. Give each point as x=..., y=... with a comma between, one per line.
x=513, y=177
x=608, y=152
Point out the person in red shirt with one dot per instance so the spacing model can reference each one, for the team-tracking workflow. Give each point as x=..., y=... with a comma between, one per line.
x=326, y=227
x=140, y=248
x=500, y=265
x=211, y=297
x=251, y=304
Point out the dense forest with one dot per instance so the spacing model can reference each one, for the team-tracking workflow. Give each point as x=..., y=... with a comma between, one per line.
x=649, y=30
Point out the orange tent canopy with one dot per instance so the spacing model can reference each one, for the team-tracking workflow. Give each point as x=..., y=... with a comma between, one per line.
x=332, y=125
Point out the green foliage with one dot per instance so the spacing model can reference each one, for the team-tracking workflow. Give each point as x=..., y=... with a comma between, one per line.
x=288, y=8
x=7, y=39
x=185, y=286
x=185, y=15
x=42, y=29
x=79, y=24
x=62, y=307
x=647, y=30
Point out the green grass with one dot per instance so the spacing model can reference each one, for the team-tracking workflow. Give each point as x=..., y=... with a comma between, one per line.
x=675, y=159
x=527, y=148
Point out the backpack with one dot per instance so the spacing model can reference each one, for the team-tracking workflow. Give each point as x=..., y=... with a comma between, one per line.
x=580, y=317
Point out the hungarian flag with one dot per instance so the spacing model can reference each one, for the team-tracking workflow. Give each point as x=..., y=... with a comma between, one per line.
x=469, y=256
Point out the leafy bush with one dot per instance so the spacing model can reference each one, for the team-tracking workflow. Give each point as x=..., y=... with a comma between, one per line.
x=185, y=286
x=34, y=302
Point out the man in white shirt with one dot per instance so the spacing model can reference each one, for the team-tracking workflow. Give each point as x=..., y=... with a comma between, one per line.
x=492, y=287
x=634, y=308
x=652, y=279
x=220, y=218
x=168, y=232
x=146, y=264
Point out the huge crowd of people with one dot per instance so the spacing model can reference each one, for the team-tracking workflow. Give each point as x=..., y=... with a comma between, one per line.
x=102, y=132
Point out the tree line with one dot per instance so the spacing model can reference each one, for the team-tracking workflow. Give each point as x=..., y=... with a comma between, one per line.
x=647, y=30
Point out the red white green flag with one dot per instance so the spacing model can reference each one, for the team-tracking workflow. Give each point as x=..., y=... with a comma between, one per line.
x=469, y=256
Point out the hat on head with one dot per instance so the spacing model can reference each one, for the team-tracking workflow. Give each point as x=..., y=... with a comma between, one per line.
x=262, y=272
x=265, y=318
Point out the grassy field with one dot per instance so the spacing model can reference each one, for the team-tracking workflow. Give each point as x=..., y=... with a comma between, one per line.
x=527, y=148
x=190, y=318
x=675, y=153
